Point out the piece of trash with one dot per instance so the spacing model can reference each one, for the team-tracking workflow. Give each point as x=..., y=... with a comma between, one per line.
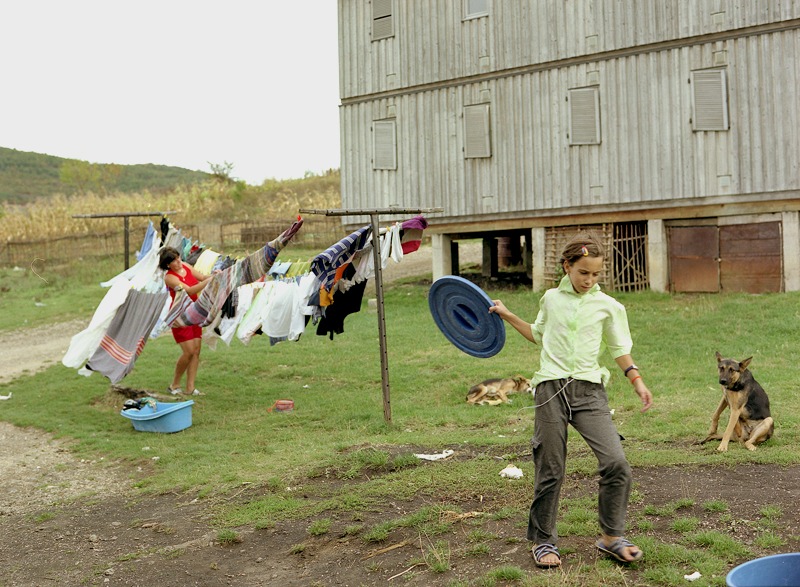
x=693, y=577
x=436, y=457
x=282, y=405
x=612, y=411
x=306, y=386
x=511, y=472
x=2, y=397
x=39, y=304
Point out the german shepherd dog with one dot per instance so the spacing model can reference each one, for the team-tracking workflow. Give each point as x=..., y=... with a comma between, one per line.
x=750, y=421
x=495, y=391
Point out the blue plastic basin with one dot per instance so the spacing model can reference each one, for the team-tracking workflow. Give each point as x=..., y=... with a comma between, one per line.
x=778, y=570
x=167, y=417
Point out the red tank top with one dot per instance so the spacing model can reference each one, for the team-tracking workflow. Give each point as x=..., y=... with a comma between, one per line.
x=188, y=280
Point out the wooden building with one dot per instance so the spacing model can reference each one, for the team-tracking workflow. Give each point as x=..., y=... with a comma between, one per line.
x=670, y=126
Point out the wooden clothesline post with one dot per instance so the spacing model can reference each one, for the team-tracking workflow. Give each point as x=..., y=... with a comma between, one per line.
x=126, y=224
x=374, y=214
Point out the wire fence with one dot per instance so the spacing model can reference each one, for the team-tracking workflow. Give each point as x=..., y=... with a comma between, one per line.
x=228, y=238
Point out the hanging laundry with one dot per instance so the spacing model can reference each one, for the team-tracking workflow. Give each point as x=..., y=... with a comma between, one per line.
x=143, y=274
x=205, y=262
x=85, y=343
x=165, y=228
x=298, y=268
x=222, y=263
x=324, y=265
x=127, y=334
x=390, y=245
x=231, y=320
x=147, y=243
x=344, y=303
x=250, y=323
x=364, y=260
x=194, y=254
x=279, y=268
x=185, y=312
x=412, y=233
x=283, y=320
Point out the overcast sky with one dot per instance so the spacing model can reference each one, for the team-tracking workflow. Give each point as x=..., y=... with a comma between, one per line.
x=174, y=82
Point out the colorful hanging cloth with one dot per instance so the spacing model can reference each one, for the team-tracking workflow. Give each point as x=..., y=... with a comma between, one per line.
x=185, y=312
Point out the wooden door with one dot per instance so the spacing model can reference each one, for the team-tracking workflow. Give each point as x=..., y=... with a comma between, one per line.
x=694, y=259
x=750, y=257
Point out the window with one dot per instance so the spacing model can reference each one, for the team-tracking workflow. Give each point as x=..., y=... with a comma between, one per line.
x=709, y=100
x=384, y=150
x=584, y=116
x=382, y=23
x=477, y=137
x=475, y=8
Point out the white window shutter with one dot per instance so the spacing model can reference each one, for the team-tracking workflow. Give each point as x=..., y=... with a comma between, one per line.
x=382, y=20
x=473, y=8
x=384, y=150
x=584, y=116
x=477, y=136
x=709, y=100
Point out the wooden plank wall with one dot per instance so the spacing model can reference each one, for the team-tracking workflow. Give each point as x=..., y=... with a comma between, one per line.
x=433, y=43
x=420, y=77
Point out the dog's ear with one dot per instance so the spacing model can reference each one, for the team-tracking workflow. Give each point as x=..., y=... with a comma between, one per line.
x=719, y=357
x=743, y=365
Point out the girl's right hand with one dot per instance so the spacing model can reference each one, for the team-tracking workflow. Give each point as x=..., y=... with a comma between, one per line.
x=499, y=308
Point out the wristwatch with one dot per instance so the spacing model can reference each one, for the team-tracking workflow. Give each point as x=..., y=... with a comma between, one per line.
x=631, y=368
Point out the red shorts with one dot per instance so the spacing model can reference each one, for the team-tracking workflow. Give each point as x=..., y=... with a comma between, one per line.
x=184, y=333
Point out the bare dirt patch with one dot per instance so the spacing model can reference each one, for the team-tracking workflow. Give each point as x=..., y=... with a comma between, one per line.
x=69, y=522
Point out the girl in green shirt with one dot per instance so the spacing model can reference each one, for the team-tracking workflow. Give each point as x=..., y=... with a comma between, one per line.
x=576, y=323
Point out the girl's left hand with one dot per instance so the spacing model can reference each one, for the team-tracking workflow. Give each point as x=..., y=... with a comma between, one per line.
x=644, y=394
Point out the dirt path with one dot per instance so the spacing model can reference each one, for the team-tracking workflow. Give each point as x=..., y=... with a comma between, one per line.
x=31, y=350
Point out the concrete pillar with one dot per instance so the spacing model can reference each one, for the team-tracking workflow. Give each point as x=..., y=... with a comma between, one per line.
x=791, y=250
x=442, y=258
x=657, y=256
x=537, y=259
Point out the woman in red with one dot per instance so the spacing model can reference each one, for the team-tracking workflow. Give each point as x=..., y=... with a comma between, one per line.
x=183, y=276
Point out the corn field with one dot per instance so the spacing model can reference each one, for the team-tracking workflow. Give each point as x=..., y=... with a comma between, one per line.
x=228, y=218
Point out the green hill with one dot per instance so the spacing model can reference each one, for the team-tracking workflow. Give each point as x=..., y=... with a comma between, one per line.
x=27, y=176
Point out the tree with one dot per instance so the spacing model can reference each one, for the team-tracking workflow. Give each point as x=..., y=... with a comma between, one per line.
x=80, y=175
x=85, y=176
x=221, y=172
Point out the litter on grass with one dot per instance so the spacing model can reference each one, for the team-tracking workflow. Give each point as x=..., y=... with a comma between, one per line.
x=693, y=577
x=511, y=472
x=436, y=457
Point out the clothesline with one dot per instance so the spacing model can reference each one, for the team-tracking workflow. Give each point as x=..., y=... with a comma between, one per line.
x=120, y=326
x=374, y=215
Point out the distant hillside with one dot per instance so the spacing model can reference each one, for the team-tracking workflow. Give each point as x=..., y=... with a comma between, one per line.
x=26, y=176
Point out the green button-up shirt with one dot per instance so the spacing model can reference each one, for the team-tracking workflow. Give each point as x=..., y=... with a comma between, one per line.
x=574, y=329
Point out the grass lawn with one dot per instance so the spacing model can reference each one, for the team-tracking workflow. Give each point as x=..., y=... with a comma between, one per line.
x=337, y=429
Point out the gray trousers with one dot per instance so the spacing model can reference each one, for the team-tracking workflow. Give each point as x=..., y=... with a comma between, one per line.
x=585, y=406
